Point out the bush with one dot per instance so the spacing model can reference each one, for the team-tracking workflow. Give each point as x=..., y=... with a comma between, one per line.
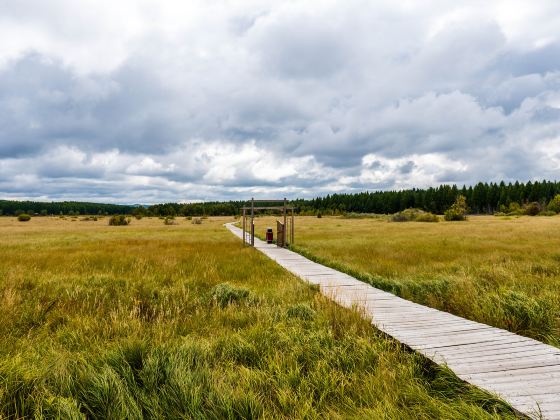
x=196, y=221
x=224, y=294
x=24, y=217
x=532, y=209
x=514, y=209
x=554, y=204
x=458, y=210
x=414, y=215
x=427, y=217
x=169, y=220
x=119, y=220
x=319, y=215
x=138, y=216
x=546, y=213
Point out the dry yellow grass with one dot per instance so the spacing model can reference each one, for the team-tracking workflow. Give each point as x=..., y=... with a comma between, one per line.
x=134, y=322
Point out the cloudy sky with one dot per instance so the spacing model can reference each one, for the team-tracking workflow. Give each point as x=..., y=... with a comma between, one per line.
x=141, y=101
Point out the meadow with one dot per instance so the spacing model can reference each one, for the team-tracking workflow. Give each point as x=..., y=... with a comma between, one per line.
x=179, y=321
x=502, y=271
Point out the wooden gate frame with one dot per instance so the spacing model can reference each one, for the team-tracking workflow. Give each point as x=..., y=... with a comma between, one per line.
x=250, y=230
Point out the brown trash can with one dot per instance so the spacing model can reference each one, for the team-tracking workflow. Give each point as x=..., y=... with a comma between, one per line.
x=269, y=235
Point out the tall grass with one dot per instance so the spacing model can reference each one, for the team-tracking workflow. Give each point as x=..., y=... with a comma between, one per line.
x=152, y=322
x=505, y=273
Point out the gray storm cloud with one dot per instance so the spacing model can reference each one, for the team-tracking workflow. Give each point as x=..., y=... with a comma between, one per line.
x=149, y=102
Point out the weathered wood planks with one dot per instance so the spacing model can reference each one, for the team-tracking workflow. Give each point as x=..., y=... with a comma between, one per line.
x=522, y=371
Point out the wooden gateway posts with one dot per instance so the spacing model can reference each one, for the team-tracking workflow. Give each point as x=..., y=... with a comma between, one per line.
x=284, y=227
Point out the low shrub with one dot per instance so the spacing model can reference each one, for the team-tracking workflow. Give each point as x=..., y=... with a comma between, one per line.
x=169, y=220
x=532, y=209
x=414, y=215
x=513, y=209
x=319, y=215
x=547, y=213
x=188, y=217
x=196, y=221
x=138, y=216
x=427, y=217
x=119, y=220
x=24, y=217
x=224, y=294
x=407, y=215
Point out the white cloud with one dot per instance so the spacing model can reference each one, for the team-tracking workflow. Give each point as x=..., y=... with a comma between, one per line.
x=146, y=101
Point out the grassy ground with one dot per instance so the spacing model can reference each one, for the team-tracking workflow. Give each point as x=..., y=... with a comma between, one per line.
x=500, y=271
x=179, y=321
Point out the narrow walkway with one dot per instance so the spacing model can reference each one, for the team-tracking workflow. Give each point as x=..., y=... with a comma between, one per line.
x=522, y=371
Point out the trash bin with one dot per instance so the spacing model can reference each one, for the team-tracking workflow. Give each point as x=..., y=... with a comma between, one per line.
x=269, y=235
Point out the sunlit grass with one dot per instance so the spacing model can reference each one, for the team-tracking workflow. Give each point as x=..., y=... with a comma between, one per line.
x=502, y=272
x=180, y=321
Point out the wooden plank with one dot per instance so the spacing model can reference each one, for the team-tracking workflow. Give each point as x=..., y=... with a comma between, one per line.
x=502, y=354
x=525, y=372
x=483, y=366
x=505, y=376
x=512, y=344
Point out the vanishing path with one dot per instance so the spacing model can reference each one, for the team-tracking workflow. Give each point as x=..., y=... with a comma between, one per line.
x=522, y=371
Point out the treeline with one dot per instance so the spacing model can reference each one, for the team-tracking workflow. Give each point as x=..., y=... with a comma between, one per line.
x=14, y=208
x=483, y=198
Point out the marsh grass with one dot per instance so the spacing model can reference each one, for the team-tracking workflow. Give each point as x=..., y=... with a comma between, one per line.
x=502, y=272
x=98, y=322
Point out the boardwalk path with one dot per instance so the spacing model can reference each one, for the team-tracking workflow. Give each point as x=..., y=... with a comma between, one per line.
x=524, y=372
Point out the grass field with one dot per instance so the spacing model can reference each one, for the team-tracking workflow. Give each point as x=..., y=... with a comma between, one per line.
x=501, y=271
x=135, y=321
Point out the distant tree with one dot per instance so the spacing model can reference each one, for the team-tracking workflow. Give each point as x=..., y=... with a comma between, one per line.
x=554, y=204
x=458, y=209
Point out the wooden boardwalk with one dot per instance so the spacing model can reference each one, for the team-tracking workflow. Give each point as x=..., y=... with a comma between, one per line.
x=522, y=371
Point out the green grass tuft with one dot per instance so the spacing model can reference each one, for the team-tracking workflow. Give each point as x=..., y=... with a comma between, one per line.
x=224, y=294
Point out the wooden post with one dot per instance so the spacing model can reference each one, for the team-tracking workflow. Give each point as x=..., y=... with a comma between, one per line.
x=244, y=230
x=292, y=228
x=252, y=221
x=280, y=229
x=285, y=236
